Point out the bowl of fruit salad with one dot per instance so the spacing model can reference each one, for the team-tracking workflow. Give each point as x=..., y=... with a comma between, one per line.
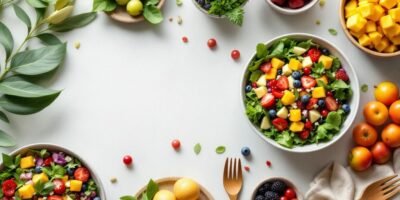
x=300, y=93
x=372, y=26
x=291, y=7
x=230, y=9
x=275, y=189
x=47, y=171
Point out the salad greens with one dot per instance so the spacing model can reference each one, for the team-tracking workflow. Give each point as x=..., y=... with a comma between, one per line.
x=232, y=9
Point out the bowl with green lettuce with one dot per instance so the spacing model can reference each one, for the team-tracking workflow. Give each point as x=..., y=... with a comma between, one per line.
x=300, y=92
x=229, y=9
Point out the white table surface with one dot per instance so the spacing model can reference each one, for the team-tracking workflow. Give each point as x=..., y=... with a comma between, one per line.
x=131, y=89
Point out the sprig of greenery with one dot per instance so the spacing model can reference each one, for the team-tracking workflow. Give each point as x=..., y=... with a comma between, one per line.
x=22, y=68
x=232, y=9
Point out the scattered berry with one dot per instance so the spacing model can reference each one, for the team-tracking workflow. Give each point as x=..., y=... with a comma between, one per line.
x=113, y=180
x=312, y=103
x=282, y=83
x=296, y=75
x=324, y=113
x=127, y=160
x=342, y=75
x=212, y=43
x=308, y=125
x=346, y=108
x=279, y=71
x=235, y=54
x=185, y=39
x=321, y=103
x=294, y=4
x=8, y=187
x=304, y=134
x=254, y=85
x=176, y=144
x=269, y=164
x=259, y=197
x=305, y=99
x=329, y=94
x=247, y=168
x=314, y=54
x=38, y=169
x=308, y=82
x=245, y=151
x=59, y=186
x=325, y=51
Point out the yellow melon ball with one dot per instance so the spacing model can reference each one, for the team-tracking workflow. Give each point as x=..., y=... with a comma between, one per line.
x=186, y=189
x=164, y=195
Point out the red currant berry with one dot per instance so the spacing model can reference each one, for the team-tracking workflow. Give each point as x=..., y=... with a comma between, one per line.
x=284, y=198
x=324, y=113
x=307, y=71
x=212, y=43
x=308, y=125
x=254, y=85
x=329, y=94
x=290, y=193
x=185, y=39
x=176, y=144
x=235, y=54
x=127, y=160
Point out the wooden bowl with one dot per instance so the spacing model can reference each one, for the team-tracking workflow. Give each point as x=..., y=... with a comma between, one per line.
x=168, y=184
x=355, y=42
x=120, y=14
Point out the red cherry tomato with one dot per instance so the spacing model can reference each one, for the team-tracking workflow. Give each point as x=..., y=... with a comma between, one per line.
x=54, y=197
x=284, y=198
x=324, y=113
x=185, y=39
x=82, y=174
x=235, y=54
x=212, y=43
x=59, y=186
x=290, y=193
x=307, y=71
x=48, y=161
x=266, y=67
x=8, y=187
x=176, y=144
x=308, y=125
x=127, y=160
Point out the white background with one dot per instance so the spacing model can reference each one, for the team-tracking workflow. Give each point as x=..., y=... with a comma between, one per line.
x=131, y=89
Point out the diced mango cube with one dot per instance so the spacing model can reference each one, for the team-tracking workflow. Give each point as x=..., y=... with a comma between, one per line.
x=378, y=13
x=75, y=186
x=26, y=191
x=388, y=4
x=357, y=34
x=366, y=10
x=260, y=91
x=295, y=64
x=382, y=45
x=356, y=22
x=326, y=61
x=387, y=22
x=365, y=41
x=361, y=2
x=271, y=75
x=395, y=40
x=318, y=92
x=65, y=178
x=395, y=14
x=277, y=63
x=295, y=115
x=324, y=79
x=393, y=31
x=370, y=27
x=27, y=162
x=351, y=8
x=375, y=37
x=288, y=98
x=351, y=13
x=296, y=126
x=390, y=49
x=42, y=177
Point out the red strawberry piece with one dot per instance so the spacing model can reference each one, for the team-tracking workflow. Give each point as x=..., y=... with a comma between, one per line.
x=307, y=71
x=8, y=187
x=279, y=2
x=280, y=124
x=59, y=186
x=268, y=101
x=266, y=67
x=82, y=174
x=324, y=113
x=48, y=161
x=308, y=125
x=308, y=82
x=342, y=75
x=272, y=84
x=277, y=93
x=304, y=134
x=331, y=104
x=54, y=197
x=294, y=4
x=311, y=103
x=300, y=105
x=329, y=94
x=314, y=54
x=282, y=83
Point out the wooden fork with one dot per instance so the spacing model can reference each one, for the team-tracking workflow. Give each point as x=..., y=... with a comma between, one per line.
x=233, y=179
x=382, y=189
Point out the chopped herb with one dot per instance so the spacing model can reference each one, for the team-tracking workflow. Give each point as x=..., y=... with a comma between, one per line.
x=220, y=149
x=197, y=148
x=332, y=31
x=317, y=22
x=364, y=88
x=179, y=2
x=322, y=2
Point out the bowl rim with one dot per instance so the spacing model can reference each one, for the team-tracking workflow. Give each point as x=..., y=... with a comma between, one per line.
x=55, y=147
x=287, y=181
x=354, y=41
x=355, y=97
x=212, y=15
x=115, y=16
x=290, y=11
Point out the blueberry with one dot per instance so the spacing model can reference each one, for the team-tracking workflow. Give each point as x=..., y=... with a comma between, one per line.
x=297, y=84
x=207, y=6
x=38, y=169
x=70, y=171
x=325, y=51
x=321, y=103
x=248, y=88
x=279, y=71
x=246, y=151
x=346, y=108
x=84, y=187
x=296, y=75
x=272, y=113
x=305, y=98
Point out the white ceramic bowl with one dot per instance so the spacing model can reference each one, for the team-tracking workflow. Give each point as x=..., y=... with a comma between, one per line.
x=290, y=11
x=288, y=183
x=53, y=147
x=208, y=14
x=354, y=101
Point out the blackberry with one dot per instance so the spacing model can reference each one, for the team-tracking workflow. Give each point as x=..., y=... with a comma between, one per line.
x=278, y=187
x=263, y=189
x=267, y=186
x=271, y=196
x=259, y=197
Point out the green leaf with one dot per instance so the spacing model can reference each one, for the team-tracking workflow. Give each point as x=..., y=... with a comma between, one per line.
x=40, y=13
x=262, y=50
x=333, y=31
x=37, y=3
x=152, y=2
x=21, y=14
x=235, y=16
x=38, y=61
x=6, y=39
x=3, y=117
x=127, y=198
x=104, y=5
x=153, y=14
x=179, y=2
x=284, y=139
x=220, y=149
x=364, y=88
x=336, y=64
x=197, y=148
x=305, y=44
x=25, y=89
x=255, y=75
x=8, y=161
x=49, y=39
x=26, y=106
x=334, y=118
x=152, y=189
x=6, y=140
x=318, y=69
x=74, y=22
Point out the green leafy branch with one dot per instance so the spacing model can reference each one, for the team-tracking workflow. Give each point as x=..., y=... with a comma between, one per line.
x=23, y=68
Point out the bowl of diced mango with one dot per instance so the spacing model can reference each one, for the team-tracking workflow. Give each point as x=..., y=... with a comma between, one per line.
x=372, y=25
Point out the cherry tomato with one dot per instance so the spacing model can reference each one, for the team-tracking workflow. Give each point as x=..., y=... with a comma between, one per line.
x=185, y=39
x=290, y=193
x=307, y=71
x=235, y=54
x=308, y=125
x=324, y=113
x=59, y=186
x=284, y=198
x=176, y=144
x=127, y=160
x=82, y=174
x=9, y=187
x=212, y=43
x=48, y=161
x=54, y=197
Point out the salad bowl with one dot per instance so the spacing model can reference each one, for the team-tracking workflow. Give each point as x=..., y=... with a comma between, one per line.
x=291, y=138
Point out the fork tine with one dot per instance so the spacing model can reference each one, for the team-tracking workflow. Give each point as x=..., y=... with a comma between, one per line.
x=389, y=183
x=234, y=176
x=230, y=168
x=226, y=169
x=240, y=175
x=392, y=193
x=390, y=188
x=384, y=180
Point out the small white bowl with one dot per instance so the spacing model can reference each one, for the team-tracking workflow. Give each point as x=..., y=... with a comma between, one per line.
x=354, y=101
x=299, y=196
x=211, y=15
x=53, y=147
x=290, y=11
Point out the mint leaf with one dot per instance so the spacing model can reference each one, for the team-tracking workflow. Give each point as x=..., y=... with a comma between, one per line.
x=318, y=70
x=152, y=189
x=336, y=64
x=334, y=118
x=333, y=31
x=128, y=198
x=364, y=88
x=197, y=149
x=8, y=161
x=306, y=44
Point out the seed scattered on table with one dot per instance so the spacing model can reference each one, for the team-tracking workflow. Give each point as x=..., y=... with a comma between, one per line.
x=179, y=20
x=77, y=44
x=317, y=22
x=113, y=180
x=322, y=2
x=171, y=19
x=364, y=88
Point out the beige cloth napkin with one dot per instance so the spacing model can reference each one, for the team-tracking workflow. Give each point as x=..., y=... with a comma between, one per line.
x=338, y=183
